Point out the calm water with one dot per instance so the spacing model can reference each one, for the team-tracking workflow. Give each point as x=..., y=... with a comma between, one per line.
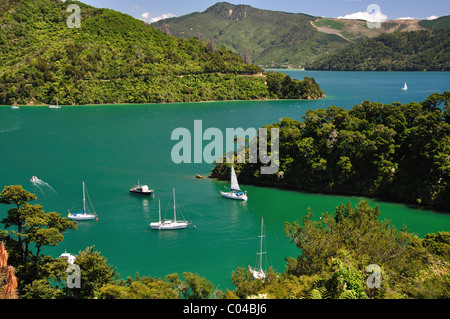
x=112, y=147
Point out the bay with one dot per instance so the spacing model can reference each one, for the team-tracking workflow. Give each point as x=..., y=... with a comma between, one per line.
x=111, y=147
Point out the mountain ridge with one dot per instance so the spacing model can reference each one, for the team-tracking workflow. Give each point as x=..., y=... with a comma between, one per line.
x=282, y=39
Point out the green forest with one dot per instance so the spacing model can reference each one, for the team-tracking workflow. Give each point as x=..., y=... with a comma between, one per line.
x=112, y=58
x=425, y=50
x=347, y=254
x=395, y=151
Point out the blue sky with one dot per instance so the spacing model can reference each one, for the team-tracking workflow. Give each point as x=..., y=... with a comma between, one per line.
x=150, y=10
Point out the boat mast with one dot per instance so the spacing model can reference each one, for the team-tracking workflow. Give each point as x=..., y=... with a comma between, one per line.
x=261, y=245
x=84, y=200
x=174, y=208
x=159, y=211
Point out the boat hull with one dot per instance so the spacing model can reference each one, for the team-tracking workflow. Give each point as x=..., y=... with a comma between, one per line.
x=81, y=216
x=236, y=196
x=149, y=193
x=168, y=225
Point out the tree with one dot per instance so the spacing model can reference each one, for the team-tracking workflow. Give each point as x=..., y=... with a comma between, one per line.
x=194, y=286
x=95, y=273
x=34, y=230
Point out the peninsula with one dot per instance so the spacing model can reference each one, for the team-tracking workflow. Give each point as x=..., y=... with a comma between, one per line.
x=113, y=58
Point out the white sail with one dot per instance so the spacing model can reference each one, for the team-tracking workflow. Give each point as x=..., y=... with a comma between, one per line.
x=405, y=87
x=234, y=181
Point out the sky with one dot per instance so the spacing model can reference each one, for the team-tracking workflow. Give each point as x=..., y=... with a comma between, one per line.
x=151, y=10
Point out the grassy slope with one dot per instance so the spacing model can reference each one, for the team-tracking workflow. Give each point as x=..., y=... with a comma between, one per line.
x=272, y=38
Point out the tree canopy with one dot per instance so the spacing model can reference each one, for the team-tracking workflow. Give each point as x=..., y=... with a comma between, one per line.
x=398, y=151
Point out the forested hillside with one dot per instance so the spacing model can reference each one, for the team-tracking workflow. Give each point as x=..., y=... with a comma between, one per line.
x=396, y=151
x=399, y=51
x=111, y=58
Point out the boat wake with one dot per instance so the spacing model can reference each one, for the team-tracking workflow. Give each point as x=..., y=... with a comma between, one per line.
x=39, y=182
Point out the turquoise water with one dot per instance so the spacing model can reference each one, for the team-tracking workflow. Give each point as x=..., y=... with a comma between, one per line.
x=112, y=147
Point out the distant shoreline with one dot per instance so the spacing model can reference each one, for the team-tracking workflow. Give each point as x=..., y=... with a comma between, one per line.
x=190, y=102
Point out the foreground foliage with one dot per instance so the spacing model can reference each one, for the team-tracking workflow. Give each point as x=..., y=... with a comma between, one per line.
x=398, y=151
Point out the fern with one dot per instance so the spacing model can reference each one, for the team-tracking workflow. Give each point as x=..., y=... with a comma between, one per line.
x=319, y=293
x=347, y=294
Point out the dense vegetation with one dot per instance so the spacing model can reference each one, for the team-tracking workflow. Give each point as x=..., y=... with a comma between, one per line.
x=335, y=253
x=112, y=58
x=399, y=151
x=399, y=51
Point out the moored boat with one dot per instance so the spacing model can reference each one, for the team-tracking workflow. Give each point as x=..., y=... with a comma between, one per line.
x=141, y=190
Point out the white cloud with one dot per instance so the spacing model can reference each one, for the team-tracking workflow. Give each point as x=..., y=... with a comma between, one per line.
x=367, y=16
x=146, y=16
x=432, y=17
x=406, y=18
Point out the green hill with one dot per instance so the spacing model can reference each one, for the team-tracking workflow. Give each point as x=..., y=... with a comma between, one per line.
x=439, y=23
x=112, y=58
x=272, y=38
x=425, y=50
x=280, y=39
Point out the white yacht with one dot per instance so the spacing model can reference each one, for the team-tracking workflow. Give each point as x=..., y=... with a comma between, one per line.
x=169, y=224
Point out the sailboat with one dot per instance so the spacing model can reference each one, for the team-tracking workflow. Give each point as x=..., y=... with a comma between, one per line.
x=68, y=257
x=169, y=224
x=54, y=106
x=405, y=88
x=235, y=192
x=258, y=272
x=83, y=215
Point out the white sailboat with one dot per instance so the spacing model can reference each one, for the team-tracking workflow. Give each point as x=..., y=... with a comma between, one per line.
x=405, y=88
x=83, y=215
x=169, y=224
x=258, y=272
x=235, y=192
x=68, y=257
x=54, y=106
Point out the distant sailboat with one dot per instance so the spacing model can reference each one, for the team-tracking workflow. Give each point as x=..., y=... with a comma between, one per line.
x=54, y=106
x=235, y=192
x=169, y=224
x=405, y=88
x=83, y=215
x=258, y=272
x=68, y=257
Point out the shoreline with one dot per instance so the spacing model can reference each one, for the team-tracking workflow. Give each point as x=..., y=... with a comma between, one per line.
x=187, y=102
x=385, y=199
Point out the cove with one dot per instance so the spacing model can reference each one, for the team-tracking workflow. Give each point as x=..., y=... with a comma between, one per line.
x=111, y=147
